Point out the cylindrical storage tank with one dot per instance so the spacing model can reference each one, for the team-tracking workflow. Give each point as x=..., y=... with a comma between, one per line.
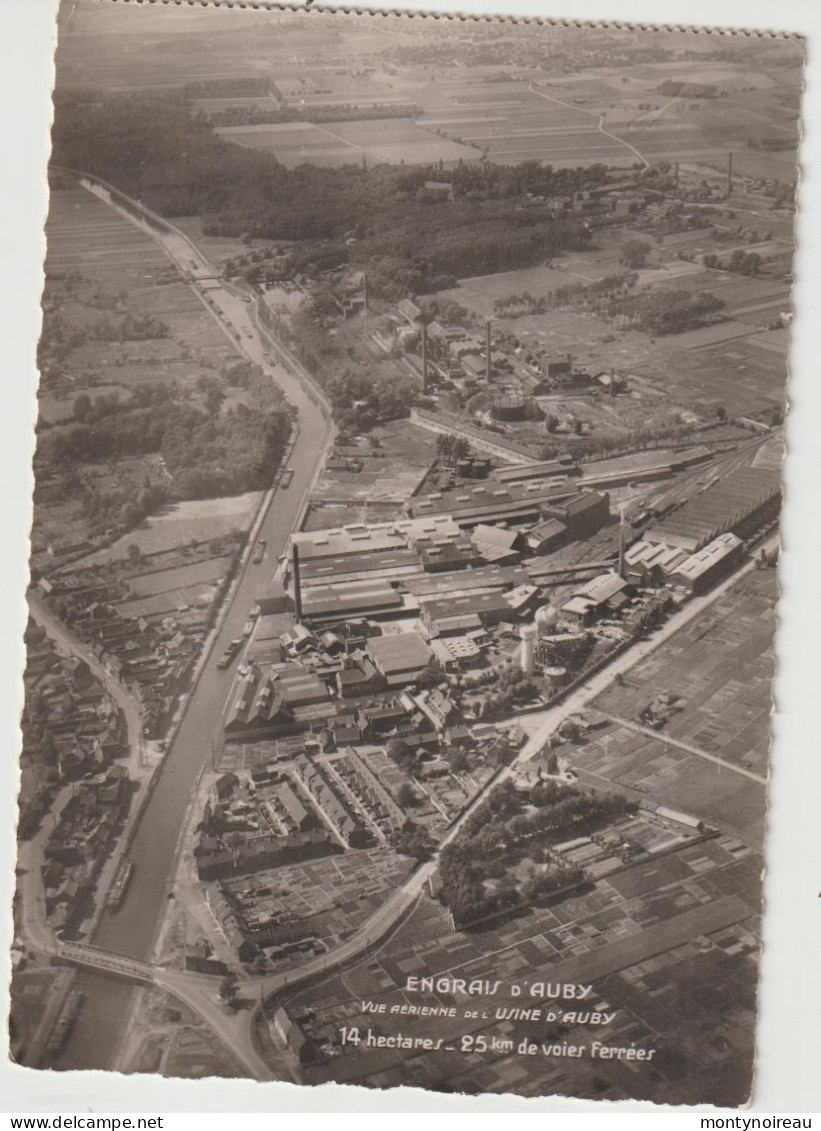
x=527, y=634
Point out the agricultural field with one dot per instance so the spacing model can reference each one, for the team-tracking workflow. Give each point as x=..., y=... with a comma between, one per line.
x=325, y=899
x=389, y=141
x=721, y=665
x=508, y=110
x=84, y=235
x=518, y=121
x=754, y=102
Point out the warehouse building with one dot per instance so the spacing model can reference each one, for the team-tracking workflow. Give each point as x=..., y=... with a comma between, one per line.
x=641, y=466
x=541, y=469
x=492, y=503
x=335, y=603
x=582, y=515
x=357, y=538
x=400, y=657
x=743, y=502
x=604, y=594
x=344, y=568
x=703, y=569
x=490, y=608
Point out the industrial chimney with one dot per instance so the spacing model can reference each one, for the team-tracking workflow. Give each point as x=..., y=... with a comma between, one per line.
x=297, y=585
x=621, y=544
x=487, y=351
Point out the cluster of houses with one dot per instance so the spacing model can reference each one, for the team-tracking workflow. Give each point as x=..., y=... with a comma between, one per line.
x=72, y=728
x=152, y=656
x=86, y=833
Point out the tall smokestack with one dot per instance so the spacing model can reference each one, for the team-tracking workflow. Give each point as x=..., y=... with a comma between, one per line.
x=621, y=543
x=612, y=382
x=297, y=585
x=424, y=358
x=487, y=351
x=729, y=175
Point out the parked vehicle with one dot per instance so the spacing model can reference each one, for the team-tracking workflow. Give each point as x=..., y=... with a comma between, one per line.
x=229, y=653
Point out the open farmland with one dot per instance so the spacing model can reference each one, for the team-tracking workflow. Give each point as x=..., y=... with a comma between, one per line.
x=388, y=141
x=165, y=591
x=721, y=665
x=513, y=121
x=84, y=235
x=197, y=520
x=752, y=103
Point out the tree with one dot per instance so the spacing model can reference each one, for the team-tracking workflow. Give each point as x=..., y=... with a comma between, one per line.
x=634, y=253
x=552, y=423
x=81, y=407
x=228, y=989
x=406, y=796
x=134, y=553
x=131, y=515
x=445, y=444
x=415, y=841
x=431, y=675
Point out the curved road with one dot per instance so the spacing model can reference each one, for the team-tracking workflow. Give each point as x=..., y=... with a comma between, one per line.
x=132, y=929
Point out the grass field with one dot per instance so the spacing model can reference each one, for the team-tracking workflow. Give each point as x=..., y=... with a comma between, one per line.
x=198, y=520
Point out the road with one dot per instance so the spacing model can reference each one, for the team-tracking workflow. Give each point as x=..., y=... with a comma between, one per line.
x=132, y=929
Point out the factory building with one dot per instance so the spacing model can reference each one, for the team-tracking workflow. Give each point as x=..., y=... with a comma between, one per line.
x=641, y=466
x=650, y=564
x=703, y=569
x=493, y=503
x=400, y=657
x=582, y=515
x=560, y=467
x=357, y=538
x=490, y=608
x=334, y=603
x=604, y=594
x=744, y=501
